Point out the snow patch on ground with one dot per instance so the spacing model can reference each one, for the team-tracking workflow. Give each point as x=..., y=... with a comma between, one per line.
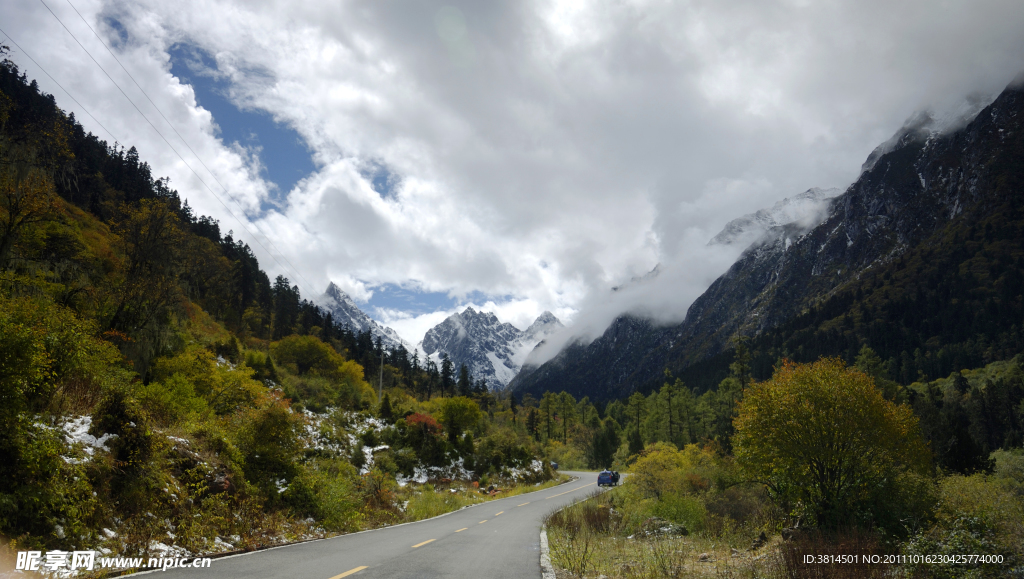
x=368, y=453
x=322, y=433
x=456, y=470
x=520, y=473
x=76, y=432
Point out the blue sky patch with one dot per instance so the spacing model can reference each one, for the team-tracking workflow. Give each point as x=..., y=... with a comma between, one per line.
x=395, y=297
x=120, y=32
x=381, y=179
x=285, y=156
x=416, y=302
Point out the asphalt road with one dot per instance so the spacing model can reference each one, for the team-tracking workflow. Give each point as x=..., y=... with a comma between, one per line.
x=496, y=539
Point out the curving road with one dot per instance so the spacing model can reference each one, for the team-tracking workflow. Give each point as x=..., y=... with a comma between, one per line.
x=496, y=539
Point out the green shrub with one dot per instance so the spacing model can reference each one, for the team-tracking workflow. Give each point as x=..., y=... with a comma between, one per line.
x=567, y=456
x=267, y=438
x=977, y=514
x=961, y=535
x=50, y=503
x=1009, y=465
x=385, y=462
x=822, y=436
x=327, y=491
x=406, y=461
x=119, y=413
x=224, y=388
x=686, y=510
x=172, y=401
x=262, y=365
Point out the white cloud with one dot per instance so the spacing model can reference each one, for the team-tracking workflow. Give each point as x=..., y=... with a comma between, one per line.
x=544, y=150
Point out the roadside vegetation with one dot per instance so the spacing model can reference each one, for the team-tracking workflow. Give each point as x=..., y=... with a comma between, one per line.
x=820, y=462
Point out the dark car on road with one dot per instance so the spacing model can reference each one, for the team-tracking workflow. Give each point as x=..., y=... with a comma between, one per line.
x=607, y=478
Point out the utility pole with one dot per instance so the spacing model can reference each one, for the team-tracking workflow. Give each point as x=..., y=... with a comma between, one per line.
x=380, y=385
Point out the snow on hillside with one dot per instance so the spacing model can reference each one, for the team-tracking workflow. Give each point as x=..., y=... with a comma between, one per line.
x=807, y=209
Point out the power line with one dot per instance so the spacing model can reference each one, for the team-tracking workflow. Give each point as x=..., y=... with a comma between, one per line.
x=170, y=124
x=80, y=105
x=201, y=180
x=161, y=135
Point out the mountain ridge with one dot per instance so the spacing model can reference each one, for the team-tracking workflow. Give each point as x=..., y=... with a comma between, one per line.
x=491, y=350
x=345, y=312
x=920, y=184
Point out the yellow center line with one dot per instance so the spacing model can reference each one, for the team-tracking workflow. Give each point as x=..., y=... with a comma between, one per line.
x=524, y=504
x=349, y=572
x=482, y=522
x=496, y=514
x=567, y=492
x=423, y=543
x=462, y=529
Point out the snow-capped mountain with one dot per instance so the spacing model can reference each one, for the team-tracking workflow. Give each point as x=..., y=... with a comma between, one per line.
x=804, y=211
x=345, y=311
x=924, y=124
x=543, y=326
x=490, y=349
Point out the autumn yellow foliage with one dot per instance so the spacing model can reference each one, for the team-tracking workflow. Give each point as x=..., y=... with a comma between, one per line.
x=825, y=441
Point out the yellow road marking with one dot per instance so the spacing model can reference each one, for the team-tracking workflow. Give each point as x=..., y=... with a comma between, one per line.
x=496, y=514
x=462, y=529
x=349, y=572
x=423, y=543
x=524, y=504
x=567, y=492
x=482, y=522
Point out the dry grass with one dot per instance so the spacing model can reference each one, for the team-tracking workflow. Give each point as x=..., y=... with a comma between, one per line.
x=672, y=557
x=588, y=540
x=852, y=544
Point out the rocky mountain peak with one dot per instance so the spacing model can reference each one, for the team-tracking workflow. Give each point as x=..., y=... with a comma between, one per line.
x=544, y=325
x=345, y=312
x=490, y=349
x=804, y=211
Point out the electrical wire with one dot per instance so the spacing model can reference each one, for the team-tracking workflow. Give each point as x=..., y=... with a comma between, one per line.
x=80, y=105
x=190, y=168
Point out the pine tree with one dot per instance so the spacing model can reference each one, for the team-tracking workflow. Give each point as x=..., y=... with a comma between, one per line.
x=286, y=307
x=447, y=374
x=567, y=409
x=432, y=377
x=465, y=383
x=386, y=412
x=547, y=409
x=740, y=367
x=531, y=423
x=636, y=408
